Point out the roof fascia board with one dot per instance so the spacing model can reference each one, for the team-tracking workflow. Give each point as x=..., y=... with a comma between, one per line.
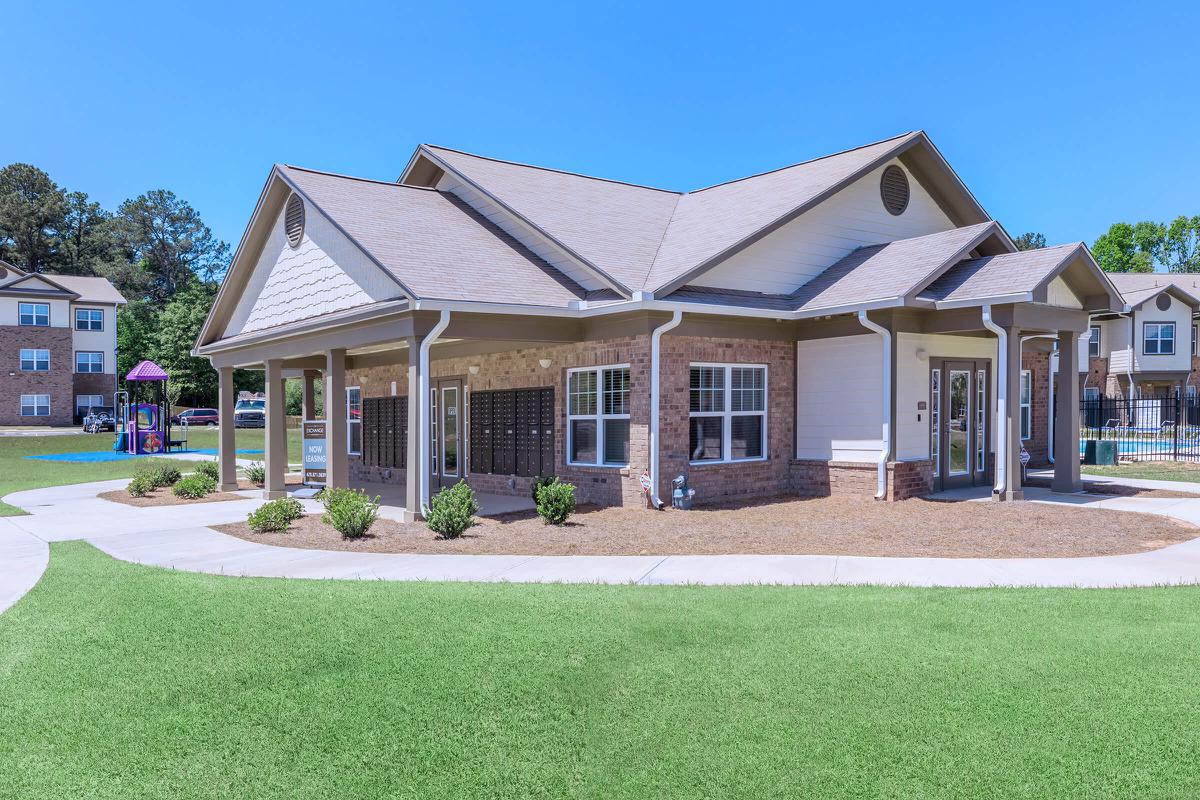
x=524, y=221
x=38, y=276
x=902, y=146
x=999, y=299
x=939, y=161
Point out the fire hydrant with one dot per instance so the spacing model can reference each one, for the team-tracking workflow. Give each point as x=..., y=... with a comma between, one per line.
x=681, y=493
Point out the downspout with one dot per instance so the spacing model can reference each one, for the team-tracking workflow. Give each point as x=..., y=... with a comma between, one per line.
x=1129, y=361
x=1001, y=425
x=655, y=345
x=423, y=407
x=886, y=449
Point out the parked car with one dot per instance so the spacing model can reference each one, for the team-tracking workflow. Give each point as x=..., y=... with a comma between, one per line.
x=99, y=418
x=250, y=414
x=196, y=416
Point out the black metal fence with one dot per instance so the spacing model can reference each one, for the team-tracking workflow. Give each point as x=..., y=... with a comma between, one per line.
x=1143, y=428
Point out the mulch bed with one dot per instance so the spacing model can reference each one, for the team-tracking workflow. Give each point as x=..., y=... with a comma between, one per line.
x=164, y=497
x=825, y=526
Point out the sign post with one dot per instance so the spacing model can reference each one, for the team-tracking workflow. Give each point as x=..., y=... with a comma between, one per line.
x=312, y=443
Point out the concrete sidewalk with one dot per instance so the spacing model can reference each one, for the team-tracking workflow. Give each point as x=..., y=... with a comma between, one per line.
x=179, y=538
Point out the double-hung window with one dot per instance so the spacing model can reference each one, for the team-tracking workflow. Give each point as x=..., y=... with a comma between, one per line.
x=598, y=416
x=353, y=420
x=35, y=405
x=1094, y=341
x=89, y=362
x=35, y=360
x=89, y=319
x=33, y=314
x=727, y=413
x=1026, y=404
x=1158, y=338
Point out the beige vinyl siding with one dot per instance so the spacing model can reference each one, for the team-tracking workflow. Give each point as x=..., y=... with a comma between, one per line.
x=1116, y=331
x=839, y=397
x=912, y=385
x=60, y=314
x=800, y=250
x=1059, y=294
x=101, y=341
x=1179, y=313
x=537, y=244
x=327, y=272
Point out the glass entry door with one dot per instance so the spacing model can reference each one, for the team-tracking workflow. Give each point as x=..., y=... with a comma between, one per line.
x=959, y=402
x=446, y=433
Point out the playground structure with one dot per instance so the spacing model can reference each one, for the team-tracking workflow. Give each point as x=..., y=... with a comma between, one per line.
x=143, y=413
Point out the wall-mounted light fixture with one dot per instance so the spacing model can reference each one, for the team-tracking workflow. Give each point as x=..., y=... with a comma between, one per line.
x=473, y=369
x=545, y=363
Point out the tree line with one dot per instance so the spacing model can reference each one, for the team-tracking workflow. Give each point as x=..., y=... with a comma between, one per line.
x=154, y=248
x=1140, y=246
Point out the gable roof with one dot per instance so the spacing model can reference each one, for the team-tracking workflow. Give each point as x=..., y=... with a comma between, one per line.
x=1138, y=287
x=428, y=241
x=91, y=289
x=656, y=240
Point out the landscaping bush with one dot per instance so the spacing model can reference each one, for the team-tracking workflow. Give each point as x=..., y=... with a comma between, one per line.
x=275, y=515
x=209, y=468
x=556, y=502
x=193, y=487
x=256, y=473
x=140, y=486
x=159, y=473
x=351, y=512
x=538, y=483
x=452, y=511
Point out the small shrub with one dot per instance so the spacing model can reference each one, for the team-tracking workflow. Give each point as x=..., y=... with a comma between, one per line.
x=140, y=486
x=193, y=487
x=351, y=512
x=209, y=468
x=452, y=511
x=556, y=502
x=256, y=473
x=538, y=483
x=159, y=473
x=275, y=515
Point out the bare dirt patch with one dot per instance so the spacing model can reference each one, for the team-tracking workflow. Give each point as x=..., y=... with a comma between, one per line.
x=825, y=526
x=165, y=497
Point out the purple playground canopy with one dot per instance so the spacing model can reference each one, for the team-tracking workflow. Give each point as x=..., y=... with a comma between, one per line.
x=146, y=371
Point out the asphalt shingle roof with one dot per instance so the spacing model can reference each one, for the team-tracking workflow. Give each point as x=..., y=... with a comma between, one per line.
x=993, y=276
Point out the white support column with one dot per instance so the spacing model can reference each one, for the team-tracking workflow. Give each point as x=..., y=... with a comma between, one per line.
x=1066, y=416
x=276, y=445
x=337, y=468
x=227, y=444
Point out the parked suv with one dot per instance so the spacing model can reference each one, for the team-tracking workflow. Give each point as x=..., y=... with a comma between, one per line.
x=196, y=416
x=250, y=414
x=99, y=418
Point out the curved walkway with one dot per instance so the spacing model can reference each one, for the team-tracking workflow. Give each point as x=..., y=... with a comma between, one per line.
x=178, y=537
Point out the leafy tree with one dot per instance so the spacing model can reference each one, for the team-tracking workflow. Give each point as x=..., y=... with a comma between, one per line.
x=1030, y=241
x=137, y=324
x=1129, y=248
x=179, y=325
x=84, y=236
x=31, y=211
x=294, y=396
x=167, y=236
x=1181, y=244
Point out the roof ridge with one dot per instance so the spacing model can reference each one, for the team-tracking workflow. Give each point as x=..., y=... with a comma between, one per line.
x=802, y=163
x=357, y=178
x=553, y=169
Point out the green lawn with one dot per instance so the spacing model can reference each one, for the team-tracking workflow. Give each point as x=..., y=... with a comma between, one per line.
x=121, y=681
x=1152, y=470
x=18, y=472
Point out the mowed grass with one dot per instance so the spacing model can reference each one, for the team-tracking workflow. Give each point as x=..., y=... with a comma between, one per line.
x=1151, y=470
x=18, y=472
x=121, y=681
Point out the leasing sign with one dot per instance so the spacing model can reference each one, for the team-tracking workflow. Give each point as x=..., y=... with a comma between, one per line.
x=313, y=447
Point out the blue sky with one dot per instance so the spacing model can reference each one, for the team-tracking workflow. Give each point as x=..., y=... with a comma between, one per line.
x=1061, y=118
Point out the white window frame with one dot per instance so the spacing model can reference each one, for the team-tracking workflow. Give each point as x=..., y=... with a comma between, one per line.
x=728, y=414
x=1093, y=341
x=35, y=404
x=33, y=313
x=350, y=421
x=1025, y=400
x=92, y=400
x=600, y=418
x=90, y=362
x=1158, y=337
x=90, y=322
x=36, y=356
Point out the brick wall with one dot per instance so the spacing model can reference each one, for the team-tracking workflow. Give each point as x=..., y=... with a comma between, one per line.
x=57, y=382
x=813, y=478
x=93, y=383
x=1038, y=365
x=1097, y=375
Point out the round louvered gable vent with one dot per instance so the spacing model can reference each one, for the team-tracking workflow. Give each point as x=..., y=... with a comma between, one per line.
x=293, y=220
x=893, y=188
x=1163, y=302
